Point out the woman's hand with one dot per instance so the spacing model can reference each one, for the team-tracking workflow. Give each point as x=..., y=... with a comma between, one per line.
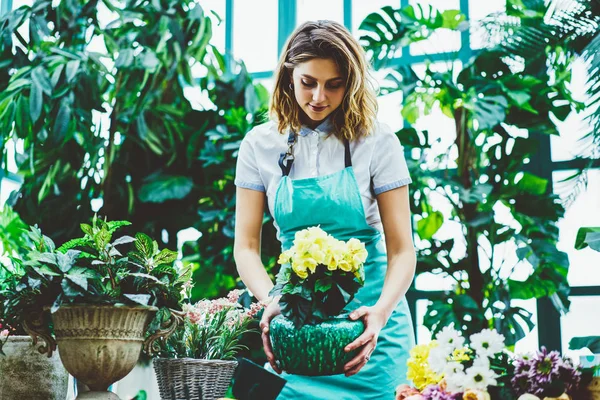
x=374, y=320
x=270, y=312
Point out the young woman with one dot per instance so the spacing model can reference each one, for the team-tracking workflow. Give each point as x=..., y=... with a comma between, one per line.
x=324, y=160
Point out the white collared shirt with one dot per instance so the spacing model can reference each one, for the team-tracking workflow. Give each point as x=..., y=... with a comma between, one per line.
x=377, y=159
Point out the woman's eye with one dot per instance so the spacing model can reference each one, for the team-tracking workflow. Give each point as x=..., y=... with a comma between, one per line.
x=337, y=86
x=308, y=84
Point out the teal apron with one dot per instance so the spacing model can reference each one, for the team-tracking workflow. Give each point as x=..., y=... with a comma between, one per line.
x=334, y=202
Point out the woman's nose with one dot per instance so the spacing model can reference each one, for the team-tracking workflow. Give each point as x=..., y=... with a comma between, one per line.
x=319, y=94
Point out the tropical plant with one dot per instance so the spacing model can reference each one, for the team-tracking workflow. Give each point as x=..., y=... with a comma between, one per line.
x=557, y=32
x=499, y=105
x=92, y=269
x=125, y=108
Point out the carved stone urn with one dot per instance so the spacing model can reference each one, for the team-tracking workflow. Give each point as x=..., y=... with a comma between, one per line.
x=27, y=374
x=100, y=344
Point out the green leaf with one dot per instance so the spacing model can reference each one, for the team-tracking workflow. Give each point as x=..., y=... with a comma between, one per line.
x=453, y=19
x=87, y=229
x=489, y=111
x=144, y=245
x=41, y=77
x=161, y=188
x=166, y=256
x=533, y=184
x=72, y=69
x=61, y=124
x=80, y=281
x=590, y=342
x=36, y=99
x=56, y=75
x=428, y=226
x=142, y=299
x=323, y=285
x=125, y=58
x=582, y=240
x=18, y=84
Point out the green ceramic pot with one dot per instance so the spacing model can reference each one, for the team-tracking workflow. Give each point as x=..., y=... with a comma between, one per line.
x=314, y=350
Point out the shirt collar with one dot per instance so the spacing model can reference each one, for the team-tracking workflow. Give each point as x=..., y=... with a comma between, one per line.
x=324, y=128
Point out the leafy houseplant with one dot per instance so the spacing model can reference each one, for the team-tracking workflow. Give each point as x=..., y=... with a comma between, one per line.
x=198, y=359
x=319, y=277
x=100, y=301
x=483, y=181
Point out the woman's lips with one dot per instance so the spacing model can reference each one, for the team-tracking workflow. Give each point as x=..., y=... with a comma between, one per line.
x=317, y=109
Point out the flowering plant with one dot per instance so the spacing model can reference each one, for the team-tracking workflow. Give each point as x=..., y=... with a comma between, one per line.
x=449, y=368
x=319, y=277
x=211, y=329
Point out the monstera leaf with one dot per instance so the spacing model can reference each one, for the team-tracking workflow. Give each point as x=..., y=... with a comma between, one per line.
x=386, y=31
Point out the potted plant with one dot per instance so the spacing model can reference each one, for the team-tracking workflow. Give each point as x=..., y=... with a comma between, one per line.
x=449, y=367
x=319, y=277
x=198, y=360
x=24, y=372
x=98, y=303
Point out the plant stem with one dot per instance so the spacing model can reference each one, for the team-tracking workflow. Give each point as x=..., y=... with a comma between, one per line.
x=469, y=210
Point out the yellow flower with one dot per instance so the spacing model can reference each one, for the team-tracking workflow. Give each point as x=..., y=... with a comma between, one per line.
x=344, y=265
x=300, y=269
x=419, y=371
x=470, y=394
x=285, y=257
x=461, y=354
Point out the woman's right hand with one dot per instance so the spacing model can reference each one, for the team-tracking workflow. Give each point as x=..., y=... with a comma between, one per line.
x=270, y=312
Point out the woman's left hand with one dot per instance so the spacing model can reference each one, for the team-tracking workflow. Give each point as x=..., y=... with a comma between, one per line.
x=374, y=320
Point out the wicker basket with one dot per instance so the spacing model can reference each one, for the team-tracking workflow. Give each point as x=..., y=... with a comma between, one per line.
x=191, y=379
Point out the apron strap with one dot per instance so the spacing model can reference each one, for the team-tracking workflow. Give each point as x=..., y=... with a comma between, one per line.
x=286, y=159
x=347, y=156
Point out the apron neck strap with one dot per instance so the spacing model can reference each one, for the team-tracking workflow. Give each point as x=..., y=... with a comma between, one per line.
x=286, y=159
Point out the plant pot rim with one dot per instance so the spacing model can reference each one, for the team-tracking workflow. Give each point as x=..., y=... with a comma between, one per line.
x=20, y=338
x=121, y=306
x=188, y=360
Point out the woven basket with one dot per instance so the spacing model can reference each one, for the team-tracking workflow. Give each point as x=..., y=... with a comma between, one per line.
x=191, y=379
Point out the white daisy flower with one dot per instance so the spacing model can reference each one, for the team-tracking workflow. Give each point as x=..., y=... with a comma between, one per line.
x=482, y=362
x=488, y=342
x=438, y=358
x=450, y=338
x=453, y=368
x=479, y=378
x=455, y=383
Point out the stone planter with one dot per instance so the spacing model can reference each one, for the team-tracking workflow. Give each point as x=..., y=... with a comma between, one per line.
x=27, y=374
x=314, y=350
x=100, y=344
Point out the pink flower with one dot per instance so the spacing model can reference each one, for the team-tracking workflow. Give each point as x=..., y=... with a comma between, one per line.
x=234, y=295
x=4, y=334
x=405, y=392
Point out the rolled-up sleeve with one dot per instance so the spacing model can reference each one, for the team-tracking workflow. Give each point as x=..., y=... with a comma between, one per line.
x=388, y=165
x=247, y=174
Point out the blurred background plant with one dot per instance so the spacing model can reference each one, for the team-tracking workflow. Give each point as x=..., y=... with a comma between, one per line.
x=487, y=180
x=106, y=127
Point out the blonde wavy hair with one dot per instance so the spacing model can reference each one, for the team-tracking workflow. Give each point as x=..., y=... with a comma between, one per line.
x=355, y=117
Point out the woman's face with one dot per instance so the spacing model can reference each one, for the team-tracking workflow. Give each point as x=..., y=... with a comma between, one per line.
x=319, y=89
